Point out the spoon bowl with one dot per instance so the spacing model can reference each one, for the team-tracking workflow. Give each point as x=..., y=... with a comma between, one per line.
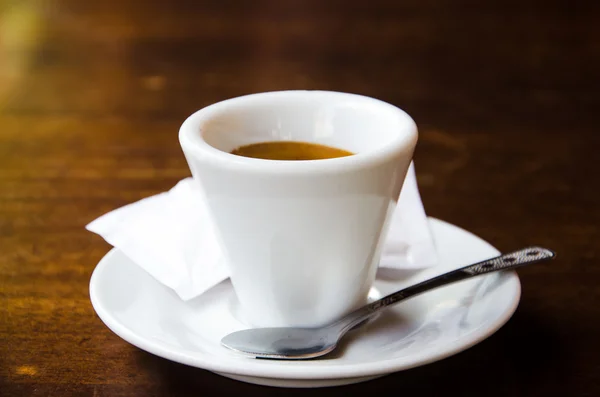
x=283, y=343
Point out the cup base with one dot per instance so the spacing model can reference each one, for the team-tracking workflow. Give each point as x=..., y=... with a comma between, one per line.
x=235, y=308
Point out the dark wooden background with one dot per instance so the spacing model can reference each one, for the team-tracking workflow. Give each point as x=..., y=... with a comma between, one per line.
x=92, y=94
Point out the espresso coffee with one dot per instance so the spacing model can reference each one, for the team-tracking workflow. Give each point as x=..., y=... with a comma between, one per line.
x=290, y=150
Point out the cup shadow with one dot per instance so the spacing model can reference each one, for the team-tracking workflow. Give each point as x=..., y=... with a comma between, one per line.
x=388, y=274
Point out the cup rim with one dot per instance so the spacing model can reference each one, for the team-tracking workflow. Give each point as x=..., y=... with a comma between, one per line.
x=193, y=143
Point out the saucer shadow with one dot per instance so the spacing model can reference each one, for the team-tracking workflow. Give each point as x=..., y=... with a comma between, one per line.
x=525, y=357
x=517, y=360
x=173, y=379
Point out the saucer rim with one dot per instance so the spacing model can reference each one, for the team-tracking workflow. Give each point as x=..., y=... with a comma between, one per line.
x=304, y=369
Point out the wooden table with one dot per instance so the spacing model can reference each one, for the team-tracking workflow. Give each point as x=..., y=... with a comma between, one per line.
x=92, y=94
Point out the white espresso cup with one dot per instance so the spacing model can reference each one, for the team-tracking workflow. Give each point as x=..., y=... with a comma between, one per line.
x=302, y=239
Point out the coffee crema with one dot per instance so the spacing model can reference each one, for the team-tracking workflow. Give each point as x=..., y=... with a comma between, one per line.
x=290, y=150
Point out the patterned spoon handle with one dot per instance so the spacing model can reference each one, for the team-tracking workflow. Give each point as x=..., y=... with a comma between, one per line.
x=504, y=262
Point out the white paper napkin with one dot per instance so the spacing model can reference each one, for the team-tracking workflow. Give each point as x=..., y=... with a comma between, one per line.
x=170, y=236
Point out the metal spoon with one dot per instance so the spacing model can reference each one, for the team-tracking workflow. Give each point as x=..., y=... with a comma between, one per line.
x=305, y=343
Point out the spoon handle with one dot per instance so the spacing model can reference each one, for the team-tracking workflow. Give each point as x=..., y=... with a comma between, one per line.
x=504, y=262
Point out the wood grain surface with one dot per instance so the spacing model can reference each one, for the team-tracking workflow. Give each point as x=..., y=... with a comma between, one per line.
x=505, y=94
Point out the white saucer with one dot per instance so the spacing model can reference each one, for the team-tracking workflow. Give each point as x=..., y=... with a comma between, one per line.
x=424, y=329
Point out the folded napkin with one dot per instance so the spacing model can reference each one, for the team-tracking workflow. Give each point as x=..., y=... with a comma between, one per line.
x=171, y=237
